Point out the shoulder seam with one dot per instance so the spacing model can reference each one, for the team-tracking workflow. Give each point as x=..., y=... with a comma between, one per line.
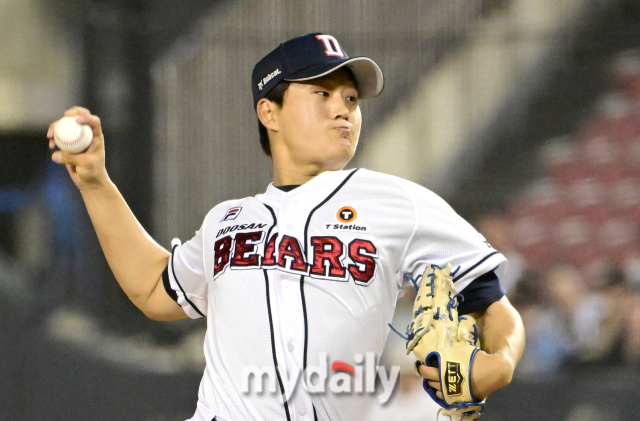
x=479, y=262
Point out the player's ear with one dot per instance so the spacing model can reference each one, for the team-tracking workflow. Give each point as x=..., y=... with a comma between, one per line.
x=267, y=114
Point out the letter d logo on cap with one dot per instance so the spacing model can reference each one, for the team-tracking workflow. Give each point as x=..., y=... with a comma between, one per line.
x=332, y=48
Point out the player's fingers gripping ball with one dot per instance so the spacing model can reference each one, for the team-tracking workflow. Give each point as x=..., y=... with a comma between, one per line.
x=441, y=339
x=72, y=137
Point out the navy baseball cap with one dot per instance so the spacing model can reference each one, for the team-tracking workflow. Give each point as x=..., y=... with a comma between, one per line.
x=311, y=56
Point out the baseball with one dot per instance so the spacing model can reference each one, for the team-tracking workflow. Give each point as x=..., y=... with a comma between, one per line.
x=72, y=137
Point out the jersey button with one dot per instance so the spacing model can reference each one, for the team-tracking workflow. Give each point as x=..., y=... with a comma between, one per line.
x=290, y=347
x=302, y=412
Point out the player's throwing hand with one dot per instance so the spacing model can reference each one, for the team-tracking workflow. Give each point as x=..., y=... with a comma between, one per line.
x=87, y=169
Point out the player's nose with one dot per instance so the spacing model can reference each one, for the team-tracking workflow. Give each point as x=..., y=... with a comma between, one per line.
x=339, y=108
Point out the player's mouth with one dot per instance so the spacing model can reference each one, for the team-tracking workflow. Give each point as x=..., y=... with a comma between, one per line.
x=344, y=128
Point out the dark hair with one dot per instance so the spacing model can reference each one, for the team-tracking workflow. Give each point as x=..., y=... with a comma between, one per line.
x=276, y=95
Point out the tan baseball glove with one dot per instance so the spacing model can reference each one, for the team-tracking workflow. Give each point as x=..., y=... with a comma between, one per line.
x=441, y=339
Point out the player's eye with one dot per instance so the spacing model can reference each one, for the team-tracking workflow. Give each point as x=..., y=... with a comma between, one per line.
x=323, y=93
x=353, y=99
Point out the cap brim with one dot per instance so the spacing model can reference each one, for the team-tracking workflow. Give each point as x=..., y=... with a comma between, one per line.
x=368, y=75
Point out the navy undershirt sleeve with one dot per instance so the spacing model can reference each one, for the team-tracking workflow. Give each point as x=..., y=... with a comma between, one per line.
x=167, y=284
x=481, y=293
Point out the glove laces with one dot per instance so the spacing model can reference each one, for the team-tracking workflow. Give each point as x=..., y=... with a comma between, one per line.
x=455, y=301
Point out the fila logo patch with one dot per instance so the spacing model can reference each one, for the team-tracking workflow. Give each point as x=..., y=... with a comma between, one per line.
x=332, y=48
x=232, y=214
x=453, y=379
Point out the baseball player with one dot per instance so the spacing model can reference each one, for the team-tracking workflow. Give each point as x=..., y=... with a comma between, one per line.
x=307, y=273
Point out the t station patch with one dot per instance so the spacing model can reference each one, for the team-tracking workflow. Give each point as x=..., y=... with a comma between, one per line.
x=347, y=215
x=231, y=214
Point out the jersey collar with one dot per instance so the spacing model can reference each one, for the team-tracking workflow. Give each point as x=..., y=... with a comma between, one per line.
x=326, y=180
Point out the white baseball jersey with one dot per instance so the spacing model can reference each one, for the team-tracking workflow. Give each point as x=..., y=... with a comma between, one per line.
x=309, y=278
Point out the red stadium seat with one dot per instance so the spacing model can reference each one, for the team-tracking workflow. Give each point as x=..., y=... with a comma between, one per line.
x=602, y=157
x=532, y=240
x=545, y=200
x=619, y=239
x=561, y=160
x=588, y=198
x=624, y=197
x=632, y=157
x=576, y=237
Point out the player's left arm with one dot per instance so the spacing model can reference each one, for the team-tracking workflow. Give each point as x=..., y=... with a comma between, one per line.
x=502, y=337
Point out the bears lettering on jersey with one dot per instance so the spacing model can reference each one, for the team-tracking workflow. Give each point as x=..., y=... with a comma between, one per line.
x=363, y=253
x=222, y=253
x=244, y=255
x=327, y=260
x=328, y=254
x=290, y=255
x=269, y=260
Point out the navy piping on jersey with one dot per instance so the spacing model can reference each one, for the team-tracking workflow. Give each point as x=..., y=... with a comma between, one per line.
x=306, y=231
x=459, y=276
x=306, y=336
x=306, y=226
x=273, y=343
x=306, y=326
x=275, y=222
x=180, y=286
x=304, y=306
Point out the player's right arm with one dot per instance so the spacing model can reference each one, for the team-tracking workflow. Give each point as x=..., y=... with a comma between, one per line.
x=136, y=260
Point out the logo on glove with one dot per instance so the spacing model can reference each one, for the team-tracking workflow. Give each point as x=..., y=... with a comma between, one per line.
x=453, y=379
